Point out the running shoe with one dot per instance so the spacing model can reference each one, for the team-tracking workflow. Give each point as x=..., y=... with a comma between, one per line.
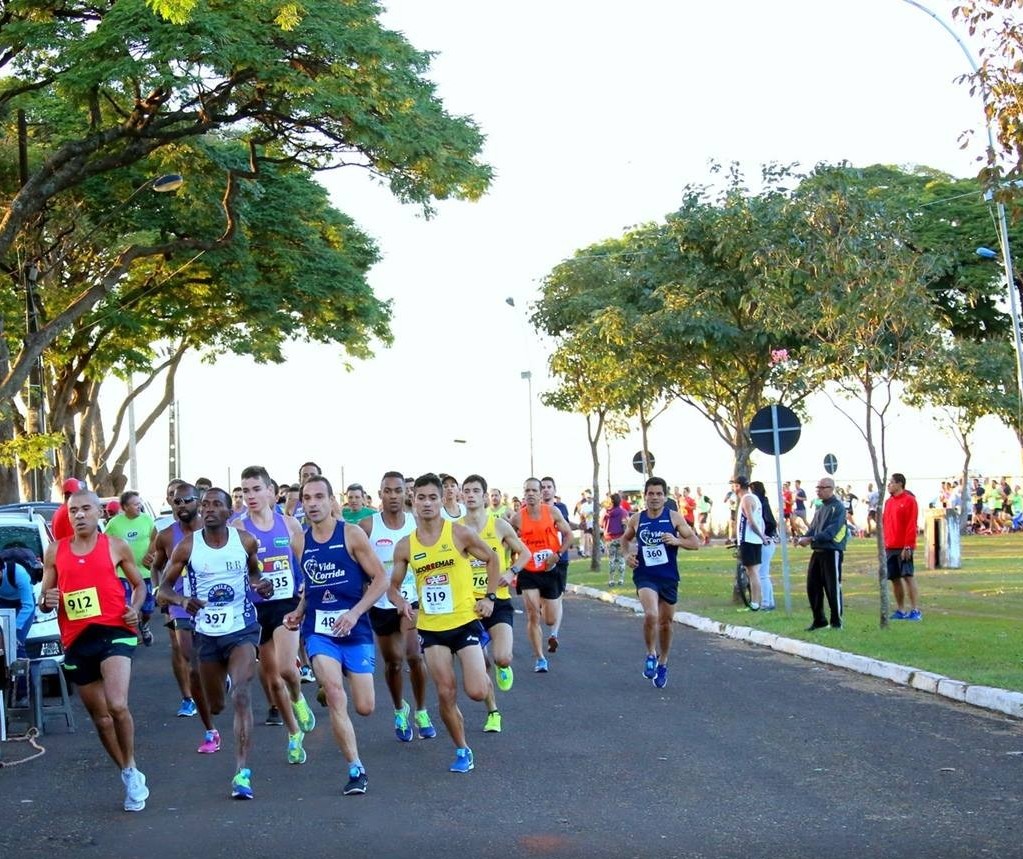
x=621, y=582
x=274, y=717
x=303, y=715
x=356, y=781
x=898, y=615
x=552, y=644
x=915, y=614
x=402, y=728
x=650, y=666
x=425, y=727
x=504, y=676
x=463, y=761
x=305, y=674
x=541, y=666
x=661, y=677
x=147, y=633
x=493, y=723
x=135, y=791
x=241, y=784
x=210, y=743
x=296, y=754
x=187, y=708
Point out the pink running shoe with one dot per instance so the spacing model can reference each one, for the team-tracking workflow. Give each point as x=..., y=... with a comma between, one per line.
x=210, y=743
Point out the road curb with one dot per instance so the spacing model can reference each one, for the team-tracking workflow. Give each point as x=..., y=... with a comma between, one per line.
x=987, y=697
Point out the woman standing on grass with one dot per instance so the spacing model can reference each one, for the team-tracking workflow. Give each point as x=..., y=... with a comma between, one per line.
x=767, y=552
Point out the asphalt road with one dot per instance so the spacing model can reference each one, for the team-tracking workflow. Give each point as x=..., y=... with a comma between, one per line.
x=745, y=753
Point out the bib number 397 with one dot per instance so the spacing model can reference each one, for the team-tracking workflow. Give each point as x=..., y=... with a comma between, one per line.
x=215, y=619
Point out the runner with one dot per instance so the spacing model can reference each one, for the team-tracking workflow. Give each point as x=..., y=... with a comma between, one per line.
x=547, y=493
x=356, y=510
x=544, y=530
x=279, y=538
x=498, y=507
x=342, y=578
x=184, y=500
x=453, y=509
x=703, y=506
x=136, y=528
x=98, y=630
x=659, y=534
x=223, y=569
x=499, y=535
x=438, y=552
x=399, y=643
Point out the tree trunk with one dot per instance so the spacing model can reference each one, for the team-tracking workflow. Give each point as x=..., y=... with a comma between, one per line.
x=965, y=496
x=594, y=439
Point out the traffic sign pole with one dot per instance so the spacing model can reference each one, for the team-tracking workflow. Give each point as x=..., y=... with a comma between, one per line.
x=782, y=530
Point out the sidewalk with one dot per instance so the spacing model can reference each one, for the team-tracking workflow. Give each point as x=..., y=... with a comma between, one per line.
x=987, y=697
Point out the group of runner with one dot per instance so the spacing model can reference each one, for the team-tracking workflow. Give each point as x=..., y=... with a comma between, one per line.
x=427, y=579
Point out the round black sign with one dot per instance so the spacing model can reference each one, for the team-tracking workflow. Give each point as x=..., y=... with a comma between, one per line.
x=762, y=427
x=831, y=463
x=639, y=465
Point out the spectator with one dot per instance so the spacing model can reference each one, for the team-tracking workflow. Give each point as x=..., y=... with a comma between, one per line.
x=750, y=535
x=613, y=527
x=16, y=590
x=60, y=525
x=827, y=537
x=899, y=519
x=770, y=541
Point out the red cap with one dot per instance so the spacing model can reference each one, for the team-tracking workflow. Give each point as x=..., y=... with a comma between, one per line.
x=113, y=508
x=72, y=484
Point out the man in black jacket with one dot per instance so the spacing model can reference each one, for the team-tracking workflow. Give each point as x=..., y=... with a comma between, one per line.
x=827, y=537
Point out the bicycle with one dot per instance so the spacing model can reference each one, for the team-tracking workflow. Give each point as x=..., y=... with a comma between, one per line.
x=741, y=586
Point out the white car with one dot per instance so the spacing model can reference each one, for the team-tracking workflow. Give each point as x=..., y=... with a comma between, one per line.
x=28, y=529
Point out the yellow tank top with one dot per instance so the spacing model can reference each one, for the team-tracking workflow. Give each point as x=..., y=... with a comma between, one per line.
x=443, y=581
x=489, y=536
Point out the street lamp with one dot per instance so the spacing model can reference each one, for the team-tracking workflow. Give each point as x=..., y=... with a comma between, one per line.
x=1003, y=226
x=528, y=376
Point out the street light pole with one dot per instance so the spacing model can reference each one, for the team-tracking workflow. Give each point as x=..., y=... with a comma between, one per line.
x=528, y=376
x=1003, y=227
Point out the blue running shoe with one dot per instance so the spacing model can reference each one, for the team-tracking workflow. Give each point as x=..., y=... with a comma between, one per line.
x=463, y=761
x=898, y=615
x=356, y=782
x=541, y=666
x=425, y=727
x=650, y=666
x=661, y=677
x=187, y=708
x=402, y=728
x=241, y=785
x=915, y=614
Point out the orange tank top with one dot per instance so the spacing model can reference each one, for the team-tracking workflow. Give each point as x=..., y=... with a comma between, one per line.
x=541, y=537
x=91, y=594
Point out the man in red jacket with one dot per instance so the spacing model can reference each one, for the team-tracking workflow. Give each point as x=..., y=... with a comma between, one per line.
x=899, y=520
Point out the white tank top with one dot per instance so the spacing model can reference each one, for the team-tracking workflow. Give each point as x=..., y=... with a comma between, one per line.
x=746, y=533
x=383, y=540
x=219, y=577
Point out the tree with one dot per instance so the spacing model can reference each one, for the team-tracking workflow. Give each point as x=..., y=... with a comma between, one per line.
x=963, y=382
x=998, y=79
x=872, y=322
x=107, y=86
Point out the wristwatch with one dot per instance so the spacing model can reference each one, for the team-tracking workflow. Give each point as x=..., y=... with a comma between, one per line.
x=492, y=597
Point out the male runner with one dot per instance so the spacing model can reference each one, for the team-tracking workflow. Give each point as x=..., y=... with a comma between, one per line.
x=498, y=507
x=136, y=527
x=279, y=538
x=343, y=578
x=184, y=660
x=659, y=533
x=98, y=630
x=223, y=569
x=438, y=552
x=397, y=637
x=451, y=509
x=497, y=533
x=547, y=494
x=544, y=530
x=355, y=510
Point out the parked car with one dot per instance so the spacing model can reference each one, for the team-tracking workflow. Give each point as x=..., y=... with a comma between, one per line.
x=46, y=509
x=29, y=529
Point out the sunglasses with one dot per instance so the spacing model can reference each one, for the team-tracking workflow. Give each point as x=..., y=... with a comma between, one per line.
x=187, y=500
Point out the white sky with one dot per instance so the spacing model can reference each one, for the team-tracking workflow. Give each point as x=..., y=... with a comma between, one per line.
x=596, y=114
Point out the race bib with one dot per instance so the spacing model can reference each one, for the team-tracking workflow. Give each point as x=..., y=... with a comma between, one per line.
x=325, y=621
x=655, y=555
x=437, y=599
x=479, y=579
x=408, y=588
x=540, y=557
x=81, y=604
x=215, y=619
x=283, y=582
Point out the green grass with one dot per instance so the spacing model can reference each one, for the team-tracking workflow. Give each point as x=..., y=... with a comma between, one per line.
x=973, y=617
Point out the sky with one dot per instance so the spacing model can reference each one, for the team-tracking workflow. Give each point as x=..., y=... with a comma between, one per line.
x=597, y=114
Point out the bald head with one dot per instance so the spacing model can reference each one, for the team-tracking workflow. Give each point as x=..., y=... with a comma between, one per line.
x=826, y=487
x=84, y=510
